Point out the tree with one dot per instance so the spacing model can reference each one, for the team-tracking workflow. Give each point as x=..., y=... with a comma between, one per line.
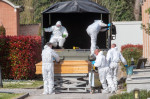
x=137, y=10
x=121, y=10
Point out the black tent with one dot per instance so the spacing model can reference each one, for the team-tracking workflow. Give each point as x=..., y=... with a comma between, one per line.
x=76, y=15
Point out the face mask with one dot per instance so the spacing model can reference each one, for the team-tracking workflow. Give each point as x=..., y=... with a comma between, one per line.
x=58, y=27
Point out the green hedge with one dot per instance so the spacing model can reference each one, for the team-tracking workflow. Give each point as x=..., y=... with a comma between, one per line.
x=18, y=56
x=143, y=95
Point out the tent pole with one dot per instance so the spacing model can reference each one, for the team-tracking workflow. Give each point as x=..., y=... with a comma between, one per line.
x=109, y=33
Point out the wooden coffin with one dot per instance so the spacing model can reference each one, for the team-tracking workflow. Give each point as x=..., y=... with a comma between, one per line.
x=68, y=67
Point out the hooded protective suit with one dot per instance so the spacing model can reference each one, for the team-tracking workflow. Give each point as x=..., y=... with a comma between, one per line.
x=104, y=73
x=113, y=58
x=93, y=31
x=48, y=68
x=58, y=33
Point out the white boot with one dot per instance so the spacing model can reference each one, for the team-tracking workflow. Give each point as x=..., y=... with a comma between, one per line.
x=51, y=91
x=44, y=93
x=105, y=91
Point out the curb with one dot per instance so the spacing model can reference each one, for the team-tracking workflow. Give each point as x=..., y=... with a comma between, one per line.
x=40, y=87
x=23, y=96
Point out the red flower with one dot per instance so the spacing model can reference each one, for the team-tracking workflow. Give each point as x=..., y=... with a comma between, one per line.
x=131, y=50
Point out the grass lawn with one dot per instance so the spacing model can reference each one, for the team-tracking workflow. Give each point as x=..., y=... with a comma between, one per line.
x=9, y=95
x=22, y=84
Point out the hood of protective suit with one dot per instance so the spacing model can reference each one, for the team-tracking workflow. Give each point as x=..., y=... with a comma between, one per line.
x=58, y=23
x=101, y=53
x=116, y=48
x=46, y=46
x=98, y=21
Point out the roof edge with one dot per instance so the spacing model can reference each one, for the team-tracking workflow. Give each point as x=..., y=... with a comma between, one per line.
x=11, y=4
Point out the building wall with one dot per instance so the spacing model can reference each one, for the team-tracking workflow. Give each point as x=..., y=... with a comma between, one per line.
x=29, y=29
x=128, y=32
x=9, y=17
x=146, y=37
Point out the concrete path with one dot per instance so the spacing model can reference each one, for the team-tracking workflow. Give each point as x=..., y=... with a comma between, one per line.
x=71, y=96
x=37, y=94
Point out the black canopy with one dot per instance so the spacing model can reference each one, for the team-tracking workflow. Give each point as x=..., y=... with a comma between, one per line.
x=76, y=6
x=76, y=16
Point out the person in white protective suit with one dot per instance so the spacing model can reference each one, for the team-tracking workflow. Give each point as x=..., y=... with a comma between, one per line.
x=113, y=58
x=104, y=72
x=48, y=67
x=93, y=31
x=59, y=34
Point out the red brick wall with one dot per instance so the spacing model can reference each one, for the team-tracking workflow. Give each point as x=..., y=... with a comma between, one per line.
x=146, y=37
x=29, y=29
x=9, y=17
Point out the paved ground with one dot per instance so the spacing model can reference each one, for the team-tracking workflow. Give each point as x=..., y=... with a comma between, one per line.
x=71, y=96
x=37, y=94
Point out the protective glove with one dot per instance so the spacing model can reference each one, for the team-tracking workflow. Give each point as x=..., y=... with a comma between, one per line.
x=107, y=28
x=64, y=35
x=126, y=65
x=93, y=67
x=109, y=24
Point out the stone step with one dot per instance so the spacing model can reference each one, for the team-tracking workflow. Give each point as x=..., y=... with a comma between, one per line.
x=141, y=70
x=140, y=79
x=141, y=74
x=142, y=84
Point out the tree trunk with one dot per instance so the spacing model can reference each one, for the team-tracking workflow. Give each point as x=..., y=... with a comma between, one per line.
x=137, y=10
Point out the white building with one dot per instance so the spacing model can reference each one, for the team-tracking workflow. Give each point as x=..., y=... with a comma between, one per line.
x=128, y=32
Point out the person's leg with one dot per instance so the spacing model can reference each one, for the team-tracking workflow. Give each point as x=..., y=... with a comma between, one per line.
x=51, y=78
x=102, y=77
x=45, y=79
x=61, y=41
x=93, y=43
x=53, y=40
x=110, y=80
x=115, y=76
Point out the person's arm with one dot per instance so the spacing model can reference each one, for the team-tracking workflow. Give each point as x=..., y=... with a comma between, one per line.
x=98, y=62
x=123, y=60
x=56, y=56
x=49, y=29
x=108, y=57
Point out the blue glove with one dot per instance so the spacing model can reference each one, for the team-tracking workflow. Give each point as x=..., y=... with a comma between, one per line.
x=126, y=65
x=107, y=28
x=109, y=24
x=93, y=62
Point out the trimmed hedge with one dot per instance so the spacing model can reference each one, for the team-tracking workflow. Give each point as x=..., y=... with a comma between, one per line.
x=143, y=95
x=18, y=56
x=132, y=51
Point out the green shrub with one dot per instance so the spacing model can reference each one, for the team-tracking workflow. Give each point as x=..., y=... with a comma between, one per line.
x=132, y=51
x=144, y=94
x=2, y=30
x=18, y=56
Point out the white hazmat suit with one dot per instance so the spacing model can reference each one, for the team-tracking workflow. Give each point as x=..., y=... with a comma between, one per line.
x=48, y=68
x=93, y=31
x=113, y=57
x=58, y=32
x=104, y=73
